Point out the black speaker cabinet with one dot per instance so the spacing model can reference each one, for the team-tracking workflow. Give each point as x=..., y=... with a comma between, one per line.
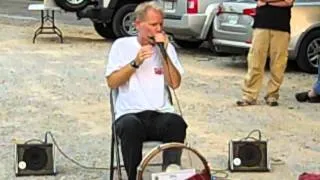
x=248, y=156
x=34, y=159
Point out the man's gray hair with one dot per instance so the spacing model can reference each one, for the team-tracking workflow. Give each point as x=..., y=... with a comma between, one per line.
x=141, y=10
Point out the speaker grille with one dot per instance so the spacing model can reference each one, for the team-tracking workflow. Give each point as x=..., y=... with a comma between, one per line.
x=250, y=155
x=36, y=158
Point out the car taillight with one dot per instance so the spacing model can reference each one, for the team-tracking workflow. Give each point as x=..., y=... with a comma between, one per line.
x=250, y=12
x=192, y=6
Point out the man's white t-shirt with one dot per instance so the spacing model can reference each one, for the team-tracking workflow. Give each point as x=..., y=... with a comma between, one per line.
x=145, y=89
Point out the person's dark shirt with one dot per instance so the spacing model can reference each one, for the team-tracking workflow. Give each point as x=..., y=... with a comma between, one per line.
x=273, y=17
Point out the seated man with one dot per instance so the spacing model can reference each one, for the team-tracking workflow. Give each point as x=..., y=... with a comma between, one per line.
x=143, y=110
x=313, y=95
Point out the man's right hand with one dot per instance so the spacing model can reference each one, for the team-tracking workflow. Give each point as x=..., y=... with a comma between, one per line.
x=144, y=53
x=261, y=3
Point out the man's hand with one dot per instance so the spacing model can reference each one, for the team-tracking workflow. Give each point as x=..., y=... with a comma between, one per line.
x=144, y=53
x=272, y=1
x=261, y=3
x=162, y=38
x=280, y=3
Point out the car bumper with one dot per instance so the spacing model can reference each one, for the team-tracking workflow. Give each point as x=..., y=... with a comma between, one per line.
x=236, y=47
x=221, y=42
x=188, y=26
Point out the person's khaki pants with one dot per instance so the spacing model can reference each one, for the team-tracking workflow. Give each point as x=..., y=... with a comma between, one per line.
x=266, y=42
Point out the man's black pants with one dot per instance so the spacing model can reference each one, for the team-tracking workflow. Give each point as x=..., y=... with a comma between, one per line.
x=135, y=128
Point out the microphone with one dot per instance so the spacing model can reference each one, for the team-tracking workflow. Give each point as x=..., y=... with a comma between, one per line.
x=160, y=46
x=162, y=50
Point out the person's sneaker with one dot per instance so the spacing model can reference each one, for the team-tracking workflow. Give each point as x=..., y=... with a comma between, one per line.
x=271, y=101
x=314, y=99
x=302, y=96
x=245, y=102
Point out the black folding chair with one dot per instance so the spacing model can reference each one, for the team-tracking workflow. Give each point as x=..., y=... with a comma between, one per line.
x=115, y=140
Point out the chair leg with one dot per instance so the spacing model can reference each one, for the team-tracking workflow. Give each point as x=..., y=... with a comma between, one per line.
x=112, y=158
x=118, y=159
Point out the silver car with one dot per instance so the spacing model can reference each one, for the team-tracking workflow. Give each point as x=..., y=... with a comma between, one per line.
x=189, y=21
x=233, y=30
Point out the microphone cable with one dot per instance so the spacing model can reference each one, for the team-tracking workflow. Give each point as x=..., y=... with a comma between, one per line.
x=165, y=59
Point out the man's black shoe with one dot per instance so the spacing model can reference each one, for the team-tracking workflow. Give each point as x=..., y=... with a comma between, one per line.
x=302, y=97
x=273, y=103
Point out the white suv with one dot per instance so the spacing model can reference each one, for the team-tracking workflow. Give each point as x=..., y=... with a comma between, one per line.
x=189, y=21
x=111, y=18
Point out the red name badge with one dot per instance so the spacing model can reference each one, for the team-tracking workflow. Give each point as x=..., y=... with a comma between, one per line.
x=158, y=70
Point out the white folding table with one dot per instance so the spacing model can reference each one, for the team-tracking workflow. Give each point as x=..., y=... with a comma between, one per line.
x=47, y=25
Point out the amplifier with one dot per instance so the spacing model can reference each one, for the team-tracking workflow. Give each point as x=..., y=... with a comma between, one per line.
x=248, y=156
x=34, y=159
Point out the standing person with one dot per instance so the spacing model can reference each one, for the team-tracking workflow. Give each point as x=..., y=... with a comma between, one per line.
x=271, y=37
x=136, y=68
x=313, y=95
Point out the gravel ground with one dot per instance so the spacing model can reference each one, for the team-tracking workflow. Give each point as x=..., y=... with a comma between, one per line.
x=60, y=88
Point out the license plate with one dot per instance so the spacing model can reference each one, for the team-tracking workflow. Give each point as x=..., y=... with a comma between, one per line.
x=232, y=19
x=168, y=5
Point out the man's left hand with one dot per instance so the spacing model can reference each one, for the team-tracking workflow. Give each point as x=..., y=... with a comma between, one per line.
x=161, y=38
x=261, y=3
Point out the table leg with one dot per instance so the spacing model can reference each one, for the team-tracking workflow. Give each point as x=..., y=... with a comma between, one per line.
x=53, y=29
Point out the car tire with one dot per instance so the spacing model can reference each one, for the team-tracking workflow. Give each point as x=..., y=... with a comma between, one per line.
x=104, y=30
x=72, y=7
x=123, y=17
x=304, y=62
x=187, y=44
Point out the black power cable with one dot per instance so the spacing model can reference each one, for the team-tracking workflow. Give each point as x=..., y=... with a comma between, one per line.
x=165, y=57
x=249, y=136
x=66, y=156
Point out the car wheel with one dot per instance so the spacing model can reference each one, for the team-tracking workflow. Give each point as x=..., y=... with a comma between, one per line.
x=309, y=53
x=123, y=21
x=187, y=44
x=104, y=30
x=72, y=5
